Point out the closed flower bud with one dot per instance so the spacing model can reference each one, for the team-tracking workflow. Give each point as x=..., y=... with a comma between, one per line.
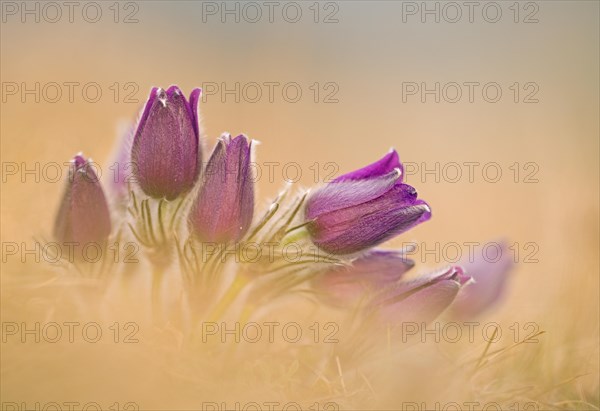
x=421, y=299
x=83, y=216
x=490, y=276
x=222, y=211
x=166, y=146
x=346, y=285
x=364, y=208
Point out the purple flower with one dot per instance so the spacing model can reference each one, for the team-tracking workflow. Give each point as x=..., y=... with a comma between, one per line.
x=364, y=208
x=346, y=285
x=490, y=275
x=166, y=146
x=222, y=211
x=83, y=216
x=420, y=299
x=120, y=176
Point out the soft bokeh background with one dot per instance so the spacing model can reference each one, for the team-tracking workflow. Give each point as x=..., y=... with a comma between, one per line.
x=368, y=53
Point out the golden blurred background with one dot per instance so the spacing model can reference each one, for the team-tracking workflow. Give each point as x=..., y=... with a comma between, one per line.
x=357, y=64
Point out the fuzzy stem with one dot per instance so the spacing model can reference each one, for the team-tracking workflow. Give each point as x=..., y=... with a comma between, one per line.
x=229, y=297
x=247, y=312
x=157, y=274
x=295, y=234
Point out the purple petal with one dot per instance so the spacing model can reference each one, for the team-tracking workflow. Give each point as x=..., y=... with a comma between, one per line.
x=335, y=196
x=147, y=108
x=223, y=210
x=386, y=165
x=489, y=286
x=194, y=100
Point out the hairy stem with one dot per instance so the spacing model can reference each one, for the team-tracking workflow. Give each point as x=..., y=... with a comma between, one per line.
x=157, y=275
x=229, y=297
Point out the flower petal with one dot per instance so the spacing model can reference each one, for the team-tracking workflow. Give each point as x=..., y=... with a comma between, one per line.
x=365, y=225
x=385, y=165
x=334, y=196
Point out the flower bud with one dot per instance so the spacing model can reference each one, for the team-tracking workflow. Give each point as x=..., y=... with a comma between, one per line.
x=364, y=208
x=490, y=278
x=83, y=216
x=222, y=212
x=422, y=299
x=166, y=146
x=345, y=285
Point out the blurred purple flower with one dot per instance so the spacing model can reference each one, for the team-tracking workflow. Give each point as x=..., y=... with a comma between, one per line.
x=166, y=147
x=364, y=208
x=83, y=216
x=490, y=279
x=121, y=168
x=222, y=212
x=421, y=299
x=346, y=285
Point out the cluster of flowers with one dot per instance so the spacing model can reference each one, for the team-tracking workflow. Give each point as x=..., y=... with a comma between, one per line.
x=345, y=218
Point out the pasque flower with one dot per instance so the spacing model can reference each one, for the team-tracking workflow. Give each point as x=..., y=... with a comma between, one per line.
x=346, y=285
x=121, y=166
x=365, y=287
x=490, y=275
x=83, y=216
x=364, y=208
x=166, y=146
x=222, y=211
x=421, y=299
